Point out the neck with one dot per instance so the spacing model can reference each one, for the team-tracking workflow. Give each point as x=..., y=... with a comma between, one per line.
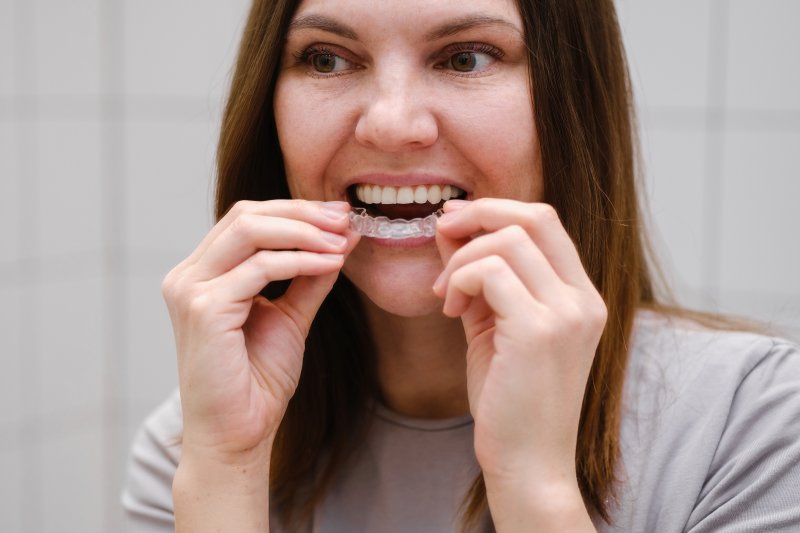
x=421, y=363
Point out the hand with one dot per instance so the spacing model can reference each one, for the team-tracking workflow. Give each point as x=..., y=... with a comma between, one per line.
x=533, y=321
x=240, y=355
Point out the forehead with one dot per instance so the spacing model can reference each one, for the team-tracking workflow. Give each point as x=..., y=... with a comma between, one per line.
x=382, y=17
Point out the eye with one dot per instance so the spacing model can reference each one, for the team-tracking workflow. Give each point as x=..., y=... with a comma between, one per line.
x=321, y=60
x=469, y=61
x=466, y=58
x=327, y=63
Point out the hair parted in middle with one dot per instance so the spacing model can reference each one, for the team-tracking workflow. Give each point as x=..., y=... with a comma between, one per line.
x=581, y=97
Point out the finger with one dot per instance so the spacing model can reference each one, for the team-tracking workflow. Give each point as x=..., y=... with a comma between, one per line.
x=248, y=278
x=492, y=278
x=251, y=233
x=305, y=294
x=304, y=297
x=329, y=216
x=515, y=246
x=539, y=220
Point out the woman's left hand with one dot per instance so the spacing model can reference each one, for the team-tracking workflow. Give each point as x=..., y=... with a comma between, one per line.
x=533, y=320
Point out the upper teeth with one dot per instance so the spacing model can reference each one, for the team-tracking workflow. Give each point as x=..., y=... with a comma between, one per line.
x=420, y=194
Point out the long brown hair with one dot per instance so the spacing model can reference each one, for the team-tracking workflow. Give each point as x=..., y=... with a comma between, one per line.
x=583, y=110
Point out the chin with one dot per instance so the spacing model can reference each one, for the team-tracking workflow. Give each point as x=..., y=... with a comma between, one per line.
x=401, y=286
x=409, y=306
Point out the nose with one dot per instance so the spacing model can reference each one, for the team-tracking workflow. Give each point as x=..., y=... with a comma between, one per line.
x=397, y=114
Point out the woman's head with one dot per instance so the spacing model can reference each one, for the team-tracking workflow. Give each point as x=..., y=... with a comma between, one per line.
x=412, y=95
x=552, y=125
x=546, y=119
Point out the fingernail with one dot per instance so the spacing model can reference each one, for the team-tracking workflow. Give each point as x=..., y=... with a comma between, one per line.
x=335, y=210
x=334, y=238
x=437, y=285
x=444, y=219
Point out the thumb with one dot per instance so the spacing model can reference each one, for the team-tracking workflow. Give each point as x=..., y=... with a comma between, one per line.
x=304, y=297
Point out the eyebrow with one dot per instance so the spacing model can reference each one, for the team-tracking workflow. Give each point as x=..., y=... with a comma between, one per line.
x=321, y=22
x=467, y=23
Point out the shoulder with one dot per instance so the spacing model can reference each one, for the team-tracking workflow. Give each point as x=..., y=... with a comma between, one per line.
x=709, y=429
x=680, y=357
x=154, y=457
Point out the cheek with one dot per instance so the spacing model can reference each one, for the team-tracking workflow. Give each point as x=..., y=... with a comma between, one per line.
x=498, y=136
x=309, y=131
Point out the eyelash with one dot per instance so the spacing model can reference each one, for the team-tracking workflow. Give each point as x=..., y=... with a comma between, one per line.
x=303, y=57
x=473, y=47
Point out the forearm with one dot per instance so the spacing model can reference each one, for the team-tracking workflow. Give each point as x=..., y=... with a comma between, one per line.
x=212, y=494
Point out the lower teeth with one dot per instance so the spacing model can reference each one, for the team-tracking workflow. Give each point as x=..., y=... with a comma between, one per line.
x=392, y=228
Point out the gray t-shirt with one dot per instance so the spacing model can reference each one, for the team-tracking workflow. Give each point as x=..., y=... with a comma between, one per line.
x=710, y=442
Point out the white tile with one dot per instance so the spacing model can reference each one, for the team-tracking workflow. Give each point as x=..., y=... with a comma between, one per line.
x=10, y=483
x=68, y=47
x=675, y=166
x=69, y=187
x=73, y=480
x=9, y=192
x=151, y=366
x=180, y=48
x=764, y=55
x=11, y=380
x=667, y=45
x=168, y=186
x=117, y=447
x=760, y=248
x=780, y=313
x=8, y=49
x=71, y=358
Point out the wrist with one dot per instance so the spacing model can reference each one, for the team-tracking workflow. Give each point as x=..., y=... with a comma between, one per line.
x=222, y=492
x=521, y=505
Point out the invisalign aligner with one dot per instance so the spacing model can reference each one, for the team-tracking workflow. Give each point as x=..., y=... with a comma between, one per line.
x=392, y=228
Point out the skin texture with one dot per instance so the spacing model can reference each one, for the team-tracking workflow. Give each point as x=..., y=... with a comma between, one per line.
x=494, y=316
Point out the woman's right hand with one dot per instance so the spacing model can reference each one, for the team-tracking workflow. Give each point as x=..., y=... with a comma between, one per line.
x=240, y=355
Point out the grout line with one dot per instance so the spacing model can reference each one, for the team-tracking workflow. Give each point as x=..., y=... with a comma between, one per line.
x=30, y=435
x=115, y=270
x=715, y=147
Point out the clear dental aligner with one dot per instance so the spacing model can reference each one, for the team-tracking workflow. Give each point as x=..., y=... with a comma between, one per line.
x=392, y=228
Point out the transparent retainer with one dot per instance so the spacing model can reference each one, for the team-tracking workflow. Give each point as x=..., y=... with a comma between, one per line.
x=392, y=228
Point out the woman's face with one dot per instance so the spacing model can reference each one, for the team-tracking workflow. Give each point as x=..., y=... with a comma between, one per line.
x=406, y=94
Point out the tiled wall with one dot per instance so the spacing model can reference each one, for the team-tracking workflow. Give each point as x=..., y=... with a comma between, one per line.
x=108, y=117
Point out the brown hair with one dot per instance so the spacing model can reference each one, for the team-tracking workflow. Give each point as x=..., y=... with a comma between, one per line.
x=582, y=101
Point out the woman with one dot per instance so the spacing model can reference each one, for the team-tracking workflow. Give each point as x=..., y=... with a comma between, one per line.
x=512, y=371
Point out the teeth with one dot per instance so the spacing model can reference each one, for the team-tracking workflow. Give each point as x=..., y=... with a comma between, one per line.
x=433, y=194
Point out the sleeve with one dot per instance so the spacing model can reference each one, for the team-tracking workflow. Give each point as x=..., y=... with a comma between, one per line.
x=753, y=482
x=147, y=493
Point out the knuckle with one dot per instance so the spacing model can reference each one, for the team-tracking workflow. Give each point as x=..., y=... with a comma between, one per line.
x=495, y=265
x=516, y=233
x=243, y=225
x=168, y=286
x=172, y=284
x=544, y=214
x=297, y=203
x=241, y=207
x=264, y=258
x=199, y=304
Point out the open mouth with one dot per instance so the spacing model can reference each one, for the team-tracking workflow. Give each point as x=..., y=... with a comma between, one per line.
x=407, y=202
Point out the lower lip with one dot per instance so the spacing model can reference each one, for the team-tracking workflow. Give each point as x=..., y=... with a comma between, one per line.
x=413, y=242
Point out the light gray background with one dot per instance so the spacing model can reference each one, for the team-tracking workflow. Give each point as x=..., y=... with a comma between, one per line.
x=109, y=112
